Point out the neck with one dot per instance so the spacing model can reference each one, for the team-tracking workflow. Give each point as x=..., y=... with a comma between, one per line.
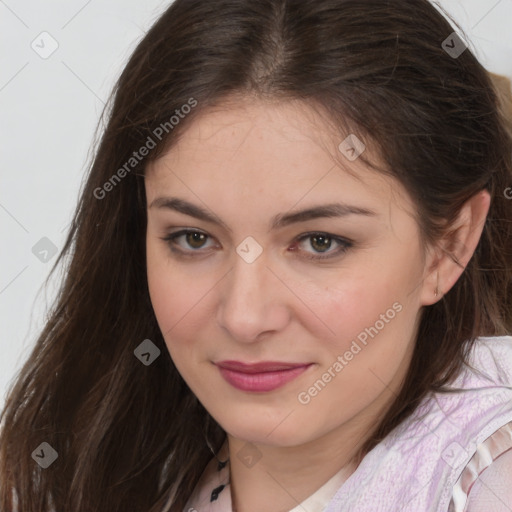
x=277, y=478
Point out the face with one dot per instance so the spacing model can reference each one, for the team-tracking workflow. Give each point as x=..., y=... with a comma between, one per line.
x=285, y=325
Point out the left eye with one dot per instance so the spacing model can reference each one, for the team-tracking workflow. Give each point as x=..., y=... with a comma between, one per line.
x=320, y=242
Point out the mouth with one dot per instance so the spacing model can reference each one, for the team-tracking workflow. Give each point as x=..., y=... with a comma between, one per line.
x=260, y=377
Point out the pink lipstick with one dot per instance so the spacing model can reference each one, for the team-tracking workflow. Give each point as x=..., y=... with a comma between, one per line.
x=260, y=377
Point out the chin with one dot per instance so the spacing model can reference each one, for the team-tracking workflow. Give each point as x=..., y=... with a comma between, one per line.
x=266, y=432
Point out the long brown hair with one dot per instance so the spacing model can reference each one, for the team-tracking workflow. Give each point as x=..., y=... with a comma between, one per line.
x=132, y=437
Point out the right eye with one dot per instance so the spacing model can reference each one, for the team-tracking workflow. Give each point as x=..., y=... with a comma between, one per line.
x=194, y=239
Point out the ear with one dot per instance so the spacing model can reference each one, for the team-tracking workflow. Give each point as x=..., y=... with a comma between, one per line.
x=447, y=261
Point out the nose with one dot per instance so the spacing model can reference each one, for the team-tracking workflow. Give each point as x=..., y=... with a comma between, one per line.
x=252, y=301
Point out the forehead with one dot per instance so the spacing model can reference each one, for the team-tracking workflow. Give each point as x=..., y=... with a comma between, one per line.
x=283, y=151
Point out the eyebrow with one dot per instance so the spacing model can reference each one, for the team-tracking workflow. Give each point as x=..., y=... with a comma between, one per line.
x=278, y=221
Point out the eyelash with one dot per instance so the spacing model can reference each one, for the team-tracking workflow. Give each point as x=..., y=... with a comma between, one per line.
x=345, y=243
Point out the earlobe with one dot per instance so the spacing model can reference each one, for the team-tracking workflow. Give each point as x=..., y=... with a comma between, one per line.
x=456, y=248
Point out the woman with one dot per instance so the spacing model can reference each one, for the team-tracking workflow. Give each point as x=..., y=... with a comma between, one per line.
x=290, y=276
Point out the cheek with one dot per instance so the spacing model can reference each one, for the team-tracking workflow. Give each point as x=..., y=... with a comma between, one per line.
x=365, y=358
x=171, y=290
x=179, y=297
x=365, y=298
x=169, y=297
x=170, y=301
x=373, y=313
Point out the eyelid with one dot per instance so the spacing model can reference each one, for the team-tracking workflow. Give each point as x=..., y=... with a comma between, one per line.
x=170, y=237
x=344, y=243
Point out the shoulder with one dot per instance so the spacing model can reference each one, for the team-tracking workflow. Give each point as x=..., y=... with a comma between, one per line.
x=489, y=362
x=492, y=489
x=484, y=484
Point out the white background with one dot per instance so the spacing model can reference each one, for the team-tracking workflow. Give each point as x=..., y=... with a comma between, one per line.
x=49, y=110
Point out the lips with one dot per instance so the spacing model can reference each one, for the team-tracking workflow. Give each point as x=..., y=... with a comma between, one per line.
x=263, y=367
x=262, y=376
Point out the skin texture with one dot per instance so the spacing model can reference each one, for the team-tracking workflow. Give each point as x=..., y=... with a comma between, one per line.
x=247, y=162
